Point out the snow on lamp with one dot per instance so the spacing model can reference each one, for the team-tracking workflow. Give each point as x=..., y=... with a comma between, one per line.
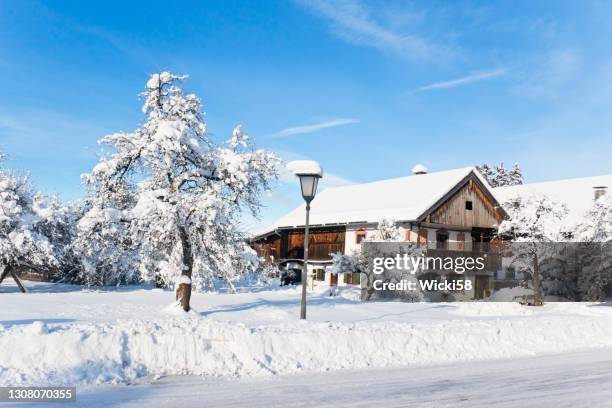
x=309, y=173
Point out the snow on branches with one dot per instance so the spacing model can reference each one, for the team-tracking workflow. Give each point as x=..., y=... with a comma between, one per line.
x=29, y=226
x=179, y=194
x=594, y=234
x=387, y=230
x=498, y=176
x=596, y=225
x=533, y=226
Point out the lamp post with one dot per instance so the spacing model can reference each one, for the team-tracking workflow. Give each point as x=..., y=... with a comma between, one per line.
x=309, y=173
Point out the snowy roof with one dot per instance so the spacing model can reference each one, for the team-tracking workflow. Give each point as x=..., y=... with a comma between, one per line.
x=408, y=198
x=402, y=199
x=578, y=193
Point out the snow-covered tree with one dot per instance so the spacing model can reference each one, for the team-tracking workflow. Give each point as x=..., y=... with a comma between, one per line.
x=387, y=230
x=499, y=176
x=487, y=172
x=515, y=175
x=57, y=221
x=594, y=234
x=105, y=246
x=346, y=263
x=596, y=225
x=22, y=242
x=533, y=226
x=189, y=192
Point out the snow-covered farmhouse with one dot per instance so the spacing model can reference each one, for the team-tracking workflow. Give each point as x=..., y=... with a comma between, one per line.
x=454, y=210
x=447, y=210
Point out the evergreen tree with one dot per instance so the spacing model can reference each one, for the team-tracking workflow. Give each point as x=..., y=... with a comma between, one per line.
x=499, y=176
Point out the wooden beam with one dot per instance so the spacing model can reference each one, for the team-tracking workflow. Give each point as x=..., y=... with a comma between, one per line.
x=449, y=227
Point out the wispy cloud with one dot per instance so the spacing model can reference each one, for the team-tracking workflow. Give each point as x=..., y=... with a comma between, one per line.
x=453, y=83
x=550, y=75
x=299, y=130
x=354, y=22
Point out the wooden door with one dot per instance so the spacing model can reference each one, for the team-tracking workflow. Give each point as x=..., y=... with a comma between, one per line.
x=481, y=286
x=333, y=281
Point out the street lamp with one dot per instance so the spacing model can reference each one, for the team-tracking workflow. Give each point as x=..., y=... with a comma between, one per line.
x=309, y=173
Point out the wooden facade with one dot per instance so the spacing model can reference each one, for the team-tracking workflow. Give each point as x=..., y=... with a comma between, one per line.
x=289, y=244
x=468, y=207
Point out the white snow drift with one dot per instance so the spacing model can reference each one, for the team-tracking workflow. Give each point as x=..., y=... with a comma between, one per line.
x=128, y=351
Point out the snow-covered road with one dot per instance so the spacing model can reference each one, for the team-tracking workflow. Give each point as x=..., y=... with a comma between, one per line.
x=569, y=380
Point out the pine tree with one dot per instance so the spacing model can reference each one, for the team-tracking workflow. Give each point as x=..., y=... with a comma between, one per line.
x=189, y=192
x=515, y=175
x=488, y=173
x=500, y=177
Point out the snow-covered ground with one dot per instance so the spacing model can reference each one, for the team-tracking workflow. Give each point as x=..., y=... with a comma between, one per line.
x=62, y=334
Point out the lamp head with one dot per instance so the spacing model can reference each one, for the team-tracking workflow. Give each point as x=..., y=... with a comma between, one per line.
x=309, y=173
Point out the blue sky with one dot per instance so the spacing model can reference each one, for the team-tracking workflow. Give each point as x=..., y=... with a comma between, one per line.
x=367, y=88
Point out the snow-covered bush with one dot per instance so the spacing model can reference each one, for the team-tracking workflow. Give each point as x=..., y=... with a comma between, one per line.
x=189, y=193
x=346, y=263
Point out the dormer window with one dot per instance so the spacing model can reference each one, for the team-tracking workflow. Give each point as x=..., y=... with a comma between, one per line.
x=360, y=236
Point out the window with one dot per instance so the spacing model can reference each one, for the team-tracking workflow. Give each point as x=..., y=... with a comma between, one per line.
x=468, y=205
x=352, y=278
x=320, y=274
x=360, y=236
x=423, y=236
x=460, y=241
x=441, y=239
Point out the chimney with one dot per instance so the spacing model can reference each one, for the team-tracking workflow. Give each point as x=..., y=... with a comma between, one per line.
x=419, y=169
x=600, y=191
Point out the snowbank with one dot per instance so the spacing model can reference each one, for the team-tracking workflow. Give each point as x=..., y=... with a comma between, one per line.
x=128, y=351
x=510, y=294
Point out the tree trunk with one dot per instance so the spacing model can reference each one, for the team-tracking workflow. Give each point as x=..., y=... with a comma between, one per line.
x=9, y=270
x=4, y=274
x=537, y=291
x=183, y=292
x=17, y=280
